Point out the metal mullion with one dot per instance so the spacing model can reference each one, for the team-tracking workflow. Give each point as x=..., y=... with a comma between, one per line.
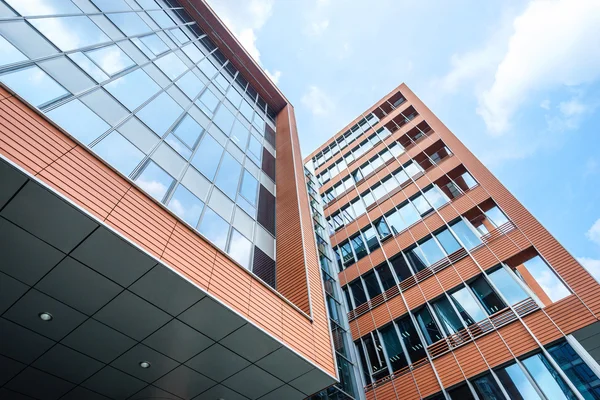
x=388, y=365
x=530, y=379
x=82, y=13
x=402, y=344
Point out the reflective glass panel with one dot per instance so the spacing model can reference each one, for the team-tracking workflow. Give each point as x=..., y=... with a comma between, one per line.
x=516, y=384
x=421, y=204
x=70, y=33
x=34, y=85
x=255, y=150
x=10, y=54
x=133, y=89
x=186, y=206
x=447, y=241
x=239, y=135
x=224, y=119
x=79, y=121
x=385, y=276
x=214, y=228
x=129, y=23
x=47, y=7
x=208, y=156
x=396, y=357
x=229, y=175
x=208, y=102
x=111, y=59
x=382, y=228
x=465, y=234
x=240, y=249
x=547, y=379
x=509, y=288
x=88, y=66
x=119, y=153
x=171, y=65
x=487, y=388
x=467, y=306
x=429, y=328
x=249, y=188
x=409, y=214
x=370, y=236
x=155, y=44
x=190, y=85
x=396, y=222
x=431, y=250
x=496, y=216
x=188, y=130
x=155, y=181
x=160, y=113
x=447, y=316
x=487, y=296
x=547, y=279
x=435, y=197
x=580, y=374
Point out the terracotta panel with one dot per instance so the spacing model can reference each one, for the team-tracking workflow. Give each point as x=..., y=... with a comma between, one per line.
x=448, y=278
x=517, y=338
x=414, y=297
x=470, y=360
x=231, y=284
x=431, y=288
x=365, y=323
x=396, y=306
x=493, y=349
x=265, y=309
x=385, y=391
x=570, y=314
x=448, y=370
x=485, y=257
x=406, y=388
x=381, y=315
x=467, y=268
x=426, y=380
x=542, y=327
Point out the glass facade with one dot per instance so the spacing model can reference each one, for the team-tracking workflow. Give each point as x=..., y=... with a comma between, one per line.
x=145, y=89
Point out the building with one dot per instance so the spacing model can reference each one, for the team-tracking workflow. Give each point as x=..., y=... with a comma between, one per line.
x=454, y=290
x=156, y=239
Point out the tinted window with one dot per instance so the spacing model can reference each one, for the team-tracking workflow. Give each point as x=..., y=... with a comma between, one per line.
x=509, y=288
x=208, y=156
x=396, y=357
x=465, y=234
x=486, y=295
x=186, y=206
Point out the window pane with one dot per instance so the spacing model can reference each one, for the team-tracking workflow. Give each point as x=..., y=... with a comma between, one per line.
x=547, y=279
x=461, y=393
x=208, y=102
x=70, y=33
x=224, y=119
x=417, y=259
x=111, y=59
x=397, y=359
x=240, y=249
x=421, y=204
x=347, y=256
x=467, y=306
x=255, y=150
x=239, y=135
x=160, y=113
x=214, y=228
x=178, y=146
x=249, y=188
x=186, y=206
x=171, y=65
x=188, y=130
x=382, y=228
x=396, y=222
x=469, y=180
x=465, y=234
x=79, y=121
x=190, y=85
x=155, y=181
x=428, y=326
x=358, y=292
x=48, y=7
x=435, y=197
x=547, y=379
x=487, y=388
x=486, y=295
x=409, y=214
x=373, y=288
x=371, y=238
x=119, y=153
x=580, y=374
x=411, y=340
x=376, y=357
x=359, y=247
x=229, y=175
x=447, y=241
x=516, y=384
x=133, y=89
x=129, y=23
x=496, y=216
x=447, y=316
x=10, y=54
x=34, y=85
x=509, y=288
x=208, y=156
x=88, y=66
x=385, y=276
x=431, y=250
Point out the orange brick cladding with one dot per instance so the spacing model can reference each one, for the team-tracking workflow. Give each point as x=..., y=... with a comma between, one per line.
x=32, y=142
x=515, y=339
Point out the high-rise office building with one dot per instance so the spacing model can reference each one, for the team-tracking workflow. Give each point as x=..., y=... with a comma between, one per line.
x=453, y=289
x=161, y=237
x=156, y=239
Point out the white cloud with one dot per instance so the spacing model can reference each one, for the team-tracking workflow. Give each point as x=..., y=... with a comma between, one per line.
x=568, y=115
x=317, y=101
x=554, y=43
x=245, y=19
x=273, y=76
x=591, y=265
x=545, y=104
x=316, y=28
x=572, y=107
x=593, y=233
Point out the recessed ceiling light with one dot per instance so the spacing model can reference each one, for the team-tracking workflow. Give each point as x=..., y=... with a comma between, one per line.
x=45, y=316
x=145, y=364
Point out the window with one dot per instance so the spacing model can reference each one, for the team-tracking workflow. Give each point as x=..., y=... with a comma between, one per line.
x=347, y=256
x=580, y=374
x=509, y=288
x=431, y=250
x=70, y=33
x=416, y=259
x=372, y=285
x=240, y=249
x=547, y=379
x=496, y=216
x=155, y=44
x=208, y=156
x=249, y=188
x=239, y=135
x=119, y=153
x=421, y=204
x=396, y=358
x=467, y=306
x=208, y=102
x=382, y=228
x=359, y=247
x=214, y=228
x=254, y=150
x=516, y=384
x=358, y=292
x=461, y=392
x=409, y=214
x=543, y=276
x=171, y=65
x=79, y=121
x=88, y=66
x=229, y=175
x=435, y=196
x=486, y=295
x=224, y=119
x=385, y=276
x=51, y=7
x=111, y=59
x=133, y=89
x=34, y=85
x=447, y=241
x=396, y=222
x=10, y=54
x=129, y=23
x=447, y=317
x=155, y=181
x=376, y=357
x=188, y=131
x=160, y=113
x=487, y=388
x=465, y=234
x=190, y=85
x=411, y=340
x=186, y=206
x=400, y=267
x=429, y=328
x=371, y=238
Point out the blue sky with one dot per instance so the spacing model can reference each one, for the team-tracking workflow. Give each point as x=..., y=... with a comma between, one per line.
x=517, y=81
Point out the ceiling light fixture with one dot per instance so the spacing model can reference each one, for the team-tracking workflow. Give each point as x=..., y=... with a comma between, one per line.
x=45, y=316
x=145, y=364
